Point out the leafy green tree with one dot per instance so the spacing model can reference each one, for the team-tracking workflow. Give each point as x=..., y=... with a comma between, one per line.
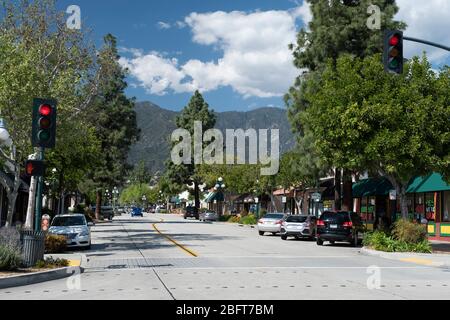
x=196, y=110
x=334, y=30
x=114, y=120
x=360, y=123
x=135, y=193
x=40, y=57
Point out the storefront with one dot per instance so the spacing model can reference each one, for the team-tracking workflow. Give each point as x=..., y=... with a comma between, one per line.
x=428, y=201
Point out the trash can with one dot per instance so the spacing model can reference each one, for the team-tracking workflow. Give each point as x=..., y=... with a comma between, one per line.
x=33, y=247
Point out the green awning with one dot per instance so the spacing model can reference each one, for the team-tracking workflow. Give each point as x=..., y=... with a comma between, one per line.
x=431, y=183
x=372, y=187
x=215, y=196
x=381, y=186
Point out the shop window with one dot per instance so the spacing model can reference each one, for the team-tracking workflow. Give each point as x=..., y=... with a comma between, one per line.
x=410, y=201
x=364, y=208
x=430, y=207
x=419, y=205
x=446, y=208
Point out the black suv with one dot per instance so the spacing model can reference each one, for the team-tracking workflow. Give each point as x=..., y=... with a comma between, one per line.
x=191, y=212
x=340, y=226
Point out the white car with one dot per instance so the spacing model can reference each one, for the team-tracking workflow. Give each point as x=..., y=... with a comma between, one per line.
x=74, y=227
x=271, y=222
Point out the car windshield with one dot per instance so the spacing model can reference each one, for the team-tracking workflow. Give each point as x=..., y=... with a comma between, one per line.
x=274, y=216
x=340, y=217
x=296, y=219
x=68, y=221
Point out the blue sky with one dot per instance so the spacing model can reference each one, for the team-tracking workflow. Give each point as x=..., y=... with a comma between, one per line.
x=173, y=47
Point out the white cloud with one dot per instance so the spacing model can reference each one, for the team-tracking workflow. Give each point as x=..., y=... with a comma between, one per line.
x=156, y=73
x=163, y=25
x=255, y=58
x=429, y=20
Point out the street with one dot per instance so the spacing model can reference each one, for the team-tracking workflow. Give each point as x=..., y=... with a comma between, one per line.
x=166, y=257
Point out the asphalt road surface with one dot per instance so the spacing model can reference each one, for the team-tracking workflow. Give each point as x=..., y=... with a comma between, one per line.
x=166, y=257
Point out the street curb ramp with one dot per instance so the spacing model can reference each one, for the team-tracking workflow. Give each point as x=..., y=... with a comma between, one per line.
x=39, y=277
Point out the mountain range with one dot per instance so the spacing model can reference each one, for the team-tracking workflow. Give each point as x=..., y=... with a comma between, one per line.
x=157, y=124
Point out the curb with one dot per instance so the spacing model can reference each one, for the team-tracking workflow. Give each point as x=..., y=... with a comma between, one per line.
x=246, y=226
x=421, y=259
x=39, y=277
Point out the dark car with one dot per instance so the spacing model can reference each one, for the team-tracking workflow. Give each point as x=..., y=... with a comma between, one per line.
x=299, y=227
x=106, y=212
x=191, y=212
x=340, y=227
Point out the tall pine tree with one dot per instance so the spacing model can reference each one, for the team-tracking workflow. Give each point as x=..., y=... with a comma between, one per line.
x=335, y=30
x=196, y=110
x=114, y=119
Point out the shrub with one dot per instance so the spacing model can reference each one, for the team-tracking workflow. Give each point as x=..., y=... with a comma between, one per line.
x=51, y=263
x=381, y=241
x=10, y=249
x=234, y=219
x=224, y=218
x=409, y=232
x=55, y=244
x=248, y=220
x=10, y=258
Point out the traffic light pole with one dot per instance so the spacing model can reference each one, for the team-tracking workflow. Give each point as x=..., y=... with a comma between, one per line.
x=433, y=44
x=40, y=187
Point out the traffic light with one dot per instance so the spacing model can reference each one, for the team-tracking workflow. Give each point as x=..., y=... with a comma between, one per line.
x=393, y=51
x=44, y=123
x=35, y=168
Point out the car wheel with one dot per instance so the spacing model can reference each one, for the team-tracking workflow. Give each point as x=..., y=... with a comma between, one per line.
x=319, y=242
x=284, y=238
x=261, y=233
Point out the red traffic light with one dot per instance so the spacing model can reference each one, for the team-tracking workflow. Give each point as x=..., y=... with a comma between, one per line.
x=394, y=41
x=30, y=168
x=45, y=110
x=35, y=168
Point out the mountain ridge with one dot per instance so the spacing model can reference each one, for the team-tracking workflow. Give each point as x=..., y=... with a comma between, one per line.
x=157, y=124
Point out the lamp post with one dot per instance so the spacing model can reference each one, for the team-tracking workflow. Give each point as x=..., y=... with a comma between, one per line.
x=144, y=201
x=115, y=196
x=108, y=197
x=219, y=188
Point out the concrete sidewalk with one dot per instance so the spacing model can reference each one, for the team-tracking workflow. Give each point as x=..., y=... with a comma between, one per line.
x=75, y=267
x=429, y=260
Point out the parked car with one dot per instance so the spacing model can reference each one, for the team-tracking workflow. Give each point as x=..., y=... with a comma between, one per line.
x=209, y=216
x=191, y=212
x=137, y=212
x=340, y=227
x=299, y=227
x=107, y=212
x=271, y=223
x=74, y=227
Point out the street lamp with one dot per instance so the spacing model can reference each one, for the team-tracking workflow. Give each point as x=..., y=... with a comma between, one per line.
x=144, y=201
x=115, y=196
x=219, y=187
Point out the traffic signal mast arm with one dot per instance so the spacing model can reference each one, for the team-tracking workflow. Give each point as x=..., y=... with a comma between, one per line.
x=433, y=44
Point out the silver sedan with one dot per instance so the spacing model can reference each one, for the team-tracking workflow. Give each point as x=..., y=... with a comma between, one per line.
x=271, y=223
x=209, y=216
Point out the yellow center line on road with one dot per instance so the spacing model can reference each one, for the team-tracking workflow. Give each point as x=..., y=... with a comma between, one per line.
x=190, y=252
